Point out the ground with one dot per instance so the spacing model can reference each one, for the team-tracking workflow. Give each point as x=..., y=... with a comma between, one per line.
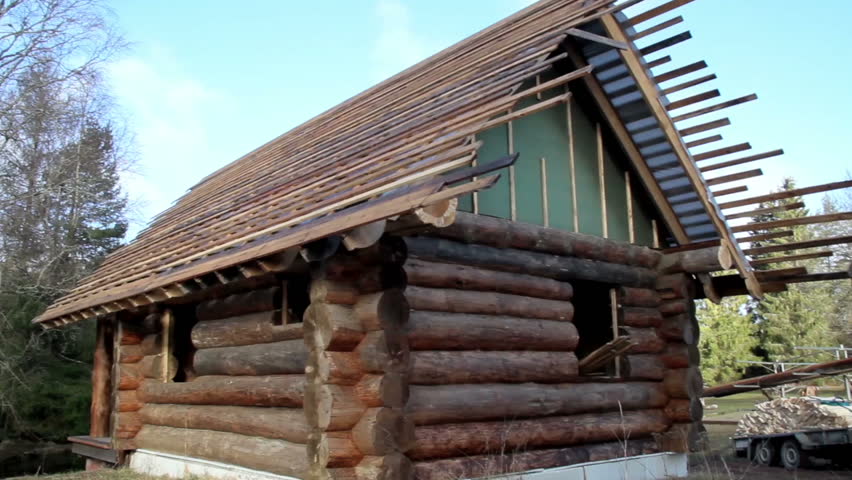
x=716, y=463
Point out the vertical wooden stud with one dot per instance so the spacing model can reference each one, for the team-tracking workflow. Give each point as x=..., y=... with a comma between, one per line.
x=575, y=212
x=613, y=300
x=545, y=206
x=167, y=322
x=101, y=378
x=475, y=192
x=631, y=228
x=602, y=181
x=513, y=199
x=656, y=234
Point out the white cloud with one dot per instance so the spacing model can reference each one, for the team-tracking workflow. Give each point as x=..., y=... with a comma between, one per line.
x=398, y=46
x=166, y=110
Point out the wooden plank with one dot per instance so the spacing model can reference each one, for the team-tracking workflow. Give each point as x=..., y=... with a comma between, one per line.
x=693, y=100
x=703, y=141
x=574, y=208
x=658, y=28
x=789, y=222
x=763, y=211
x=660, y=61
x=656, y=12
x=730, y=191
x=576, y=32
x=765, y=236
x=544, y=200
x=704, y=127
x=663, y=44
x=689, y=84
x=740, y=161
x=818, y=277
x=679, y=72
x=740, y=147
x=602, y=179
x=734, y=177
x=785, y=247
x=792, y=258
x=715, y=108
x=788, y=194
x=631, y=228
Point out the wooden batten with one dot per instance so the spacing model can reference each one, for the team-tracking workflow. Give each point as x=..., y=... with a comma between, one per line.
x=789, y=222
x=688, y=84
x=663, y=44
x=787, y=194
x=722, y=151
x=660, y=61
x=656, y=12
x=791, y=258
x=679, y=72
x=735, y=177
x=703, y=127
x=658, y=28
x=730, y=191
x=765, y=236
x=576, y=32
x=703, y=141
x=715, y=108
x=763, y=211
x=740, y=161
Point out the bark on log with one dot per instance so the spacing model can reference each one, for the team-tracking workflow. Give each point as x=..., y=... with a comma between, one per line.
x=276, y=456
x=346, y=266
x=489, y=465
x=382, y=430
x=445, y=275
x=675, y=286
x=639, y=297
x=160, y=367
x=333, y=327
x=240, y=304
x=395, y=466
x=437, y=441
x=269, y=391
x=674, y=307
x=250, y=329
x=282, y=423
x=449, y=367
x=101, y=391
x=683, y=383
x=705, y=260
x=680, y=355
x=389, y=389
x=458, y=403
x=503, y=233
x=328, y=291
x=645, y=340
x=337, y=368
x=126, y=424
x=681, y=328
x=646, y=367
x=534, y=263
x=127, y=401
x=129, y=376
x=331, y=450
x=488, y=303
x=382, y=310
x=333, y=407
x=683, y=410
x=287, y=357
x=382, y=351
x=641, y=317
x=455, y=331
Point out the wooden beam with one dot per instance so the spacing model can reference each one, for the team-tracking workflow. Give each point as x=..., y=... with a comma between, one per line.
x=656, y=12
x=730, y=191
x=776, y=275
x=792, y=258
x=703, y=141
x=658, y=27
x=663, y=44
x=576, y=32
x=660, y=61
x=740, y=147
x=819, y=277
x=765, y=236
x=602, y=181
x=785, y=247
x=789, y=222
x=722, y=122
x=740, y=161
x=685, y=102
x=787, y=194
x=761, y=211
x=689, y=83
x=679, y=72
x=715, y=108
x=735, y=177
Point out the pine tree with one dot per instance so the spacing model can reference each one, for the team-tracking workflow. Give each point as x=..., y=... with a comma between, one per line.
x=729, y=337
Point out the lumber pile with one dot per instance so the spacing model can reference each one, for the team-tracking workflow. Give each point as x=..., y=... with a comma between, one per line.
x=793, y=414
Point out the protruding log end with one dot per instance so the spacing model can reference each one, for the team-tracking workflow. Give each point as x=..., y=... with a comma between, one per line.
x=364, y=236
x=382, y=431
x=441, y=214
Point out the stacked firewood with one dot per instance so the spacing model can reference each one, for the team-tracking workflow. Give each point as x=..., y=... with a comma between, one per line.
x=793, y=414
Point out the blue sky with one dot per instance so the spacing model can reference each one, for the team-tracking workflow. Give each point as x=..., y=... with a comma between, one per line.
x=206, y=82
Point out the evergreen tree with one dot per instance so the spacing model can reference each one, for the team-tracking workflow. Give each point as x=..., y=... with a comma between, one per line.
x=729, y=337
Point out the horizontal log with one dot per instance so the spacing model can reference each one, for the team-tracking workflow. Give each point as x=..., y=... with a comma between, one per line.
x=674, y=307
x=645, y=340
x=681, y=328
x=130, y=353
x=641, y=317
x=639, y=297
x=152, y=344
x=680, y=355
x=683, y=383
x=329, y=291
x=269, y=455
x=389, y=390
x=160, y=367
x=477, y=466
x=383, y=430
x=383, y=351
x=685, y=410
x=703, y=260
x=333, y=407
x=129, y=376
x=390, y=250
x=503, y=233
x=251, y=329
x=546, y=265
x=458, y=403
x=382, y=310
x=253, y=301
x=487, y=303
x=332, y=327
x=267, y=391
x=681, y=438
x=126, y=424
x=127, y=401
x=456, y=331
x=393, y=466
x=453, y=440
x=287, y=357
x=332, y=450
x=445, y=275
x=283, y=423
x=675, y=286
x=337, y=368
x=645, y=367
x=451, y=367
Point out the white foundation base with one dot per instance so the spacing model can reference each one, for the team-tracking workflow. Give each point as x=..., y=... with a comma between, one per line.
x=178, y=466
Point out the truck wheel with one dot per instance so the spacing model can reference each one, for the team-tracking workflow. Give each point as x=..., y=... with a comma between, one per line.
x=791, y=455
x=764, y=453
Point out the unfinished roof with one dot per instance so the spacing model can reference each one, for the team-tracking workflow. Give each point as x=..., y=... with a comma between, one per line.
x=383, y=153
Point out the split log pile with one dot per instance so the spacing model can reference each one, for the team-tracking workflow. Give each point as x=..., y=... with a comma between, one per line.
x=784, y=415
x=242, y=401
x=493, y=374
x=357, y=353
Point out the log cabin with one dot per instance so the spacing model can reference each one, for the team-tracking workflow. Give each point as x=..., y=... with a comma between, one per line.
x=485, y=264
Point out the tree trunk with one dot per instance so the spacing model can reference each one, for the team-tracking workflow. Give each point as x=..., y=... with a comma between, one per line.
x=456, y=331
x=269, y=391
x=250, y=329
x=441, y=441
x=276, y=456
x=458, y=403
x=101, y=384
x=283, y=423
x=488, y=303
x=448, y=367
x=287, y=357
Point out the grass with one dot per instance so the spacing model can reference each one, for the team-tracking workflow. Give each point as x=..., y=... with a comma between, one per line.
x=104, y=474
